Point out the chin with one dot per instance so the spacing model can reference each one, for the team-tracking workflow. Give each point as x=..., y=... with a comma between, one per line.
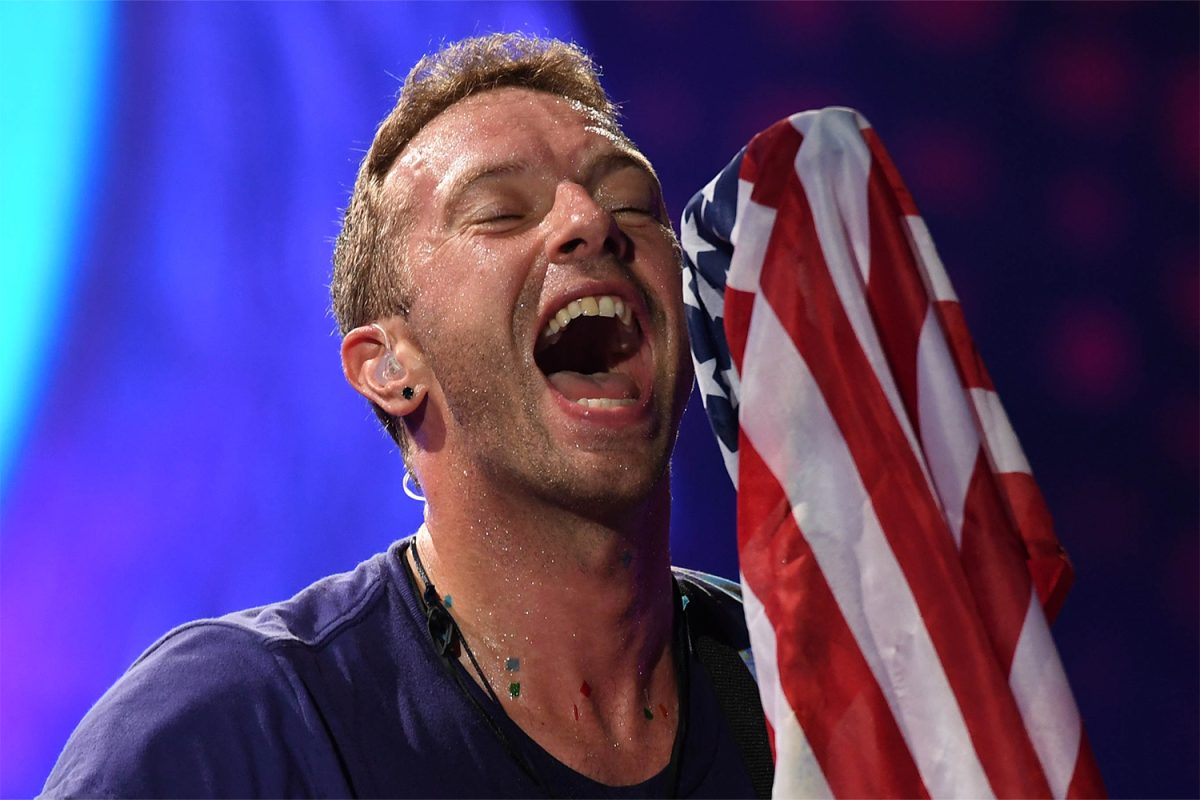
x=607, y=489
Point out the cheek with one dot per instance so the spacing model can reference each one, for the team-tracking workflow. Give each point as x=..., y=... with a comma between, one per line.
x=457, y=283
x=492, y=268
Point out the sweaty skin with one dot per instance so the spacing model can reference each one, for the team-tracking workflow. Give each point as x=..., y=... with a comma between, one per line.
x=547, y=520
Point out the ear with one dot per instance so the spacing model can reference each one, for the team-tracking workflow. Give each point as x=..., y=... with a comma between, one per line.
x=383, y=364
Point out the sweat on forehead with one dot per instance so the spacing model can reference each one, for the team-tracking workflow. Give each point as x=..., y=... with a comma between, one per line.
x=474, y=137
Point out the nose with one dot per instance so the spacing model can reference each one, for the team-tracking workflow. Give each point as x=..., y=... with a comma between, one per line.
x=581, y=229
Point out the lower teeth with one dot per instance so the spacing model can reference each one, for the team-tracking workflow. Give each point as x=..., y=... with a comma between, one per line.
x=604, y=402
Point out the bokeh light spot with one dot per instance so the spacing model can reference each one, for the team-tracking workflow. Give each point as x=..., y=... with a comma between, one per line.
x=1091, y=356
x=948, y=27
x=1088, y=212
x=1101, y=509
x=947, y=168
x=822, y=22
x=1182, y=128
x=1177, y=429
x=1083, y=81
x=1181, y=294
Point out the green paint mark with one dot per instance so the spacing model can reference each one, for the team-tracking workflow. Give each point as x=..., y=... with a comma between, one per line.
x=514, y=690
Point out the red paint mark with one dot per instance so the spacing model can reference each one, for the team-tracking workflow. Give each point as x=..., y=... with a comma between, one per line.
x=575, y=708
x=662, y=710
x=585, y=690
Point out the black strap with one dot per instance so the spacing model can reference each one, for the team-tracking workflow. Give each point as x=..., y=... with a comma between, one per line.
x=737, y=694
x=718, y=628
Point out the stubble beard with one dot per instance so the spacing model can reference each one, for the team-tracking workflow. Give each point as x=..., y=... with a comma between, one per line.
x=499, y=417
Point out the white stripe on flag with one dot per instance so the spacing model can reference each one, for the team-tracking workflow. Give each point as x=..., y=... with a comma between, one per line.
x=1000, y=438
x=831, y=204
x=938, y=282
x=947, y=424
x=800, y=443
x=751, y=235
x=833, y=150
x=797, y=772
x=1044, y=698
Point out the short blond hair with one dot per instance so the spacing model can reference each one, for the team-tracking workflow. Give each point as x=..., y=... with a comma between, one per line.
x=368, y=281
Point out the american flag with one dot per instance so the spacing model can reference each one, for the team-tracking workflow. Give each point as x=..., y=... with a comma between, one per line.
x=898, y=563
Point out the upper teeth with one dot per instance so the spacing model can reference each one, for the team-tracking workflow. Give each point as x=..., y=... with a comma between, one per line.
x=591, y=306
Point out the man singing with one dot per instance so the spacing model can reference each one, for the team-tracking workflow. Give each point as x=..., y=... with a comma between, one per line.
x=508, y=289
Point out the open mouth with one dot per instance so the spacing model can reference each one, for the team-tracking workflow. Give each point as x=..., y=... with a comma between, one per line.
x=590, y=352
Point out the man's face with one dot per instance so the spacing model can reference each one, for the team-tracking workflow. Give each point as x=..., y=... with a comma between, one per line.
x=545, y=297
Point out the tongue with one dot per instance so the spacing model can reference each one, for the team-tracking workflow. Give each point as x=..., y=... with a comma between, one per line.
x=576, y=385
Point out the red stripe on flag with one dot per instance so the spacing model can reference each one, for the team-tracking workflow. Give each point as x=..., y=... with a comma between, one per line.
x=777, y=140
x=896, y=294
x=826, y=680
x=1047, y=560
x=738, y=306
x=993, y=558
x=1086, y=782
x=797, y=283
x=883, y=160
x=768, y=161
x=971, y=370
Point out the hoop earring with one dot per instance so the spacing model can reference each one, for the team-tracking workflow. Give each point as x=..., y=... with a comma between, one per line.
x=408, y=490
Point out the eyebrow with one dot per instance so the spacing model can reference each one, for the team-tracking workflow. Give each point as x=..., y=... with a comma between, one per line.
x=620, y=159
x=459, y=186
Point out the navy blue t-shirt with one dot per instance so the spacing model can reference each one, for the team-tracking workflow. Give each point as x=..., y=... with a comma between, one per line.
x=337, y=692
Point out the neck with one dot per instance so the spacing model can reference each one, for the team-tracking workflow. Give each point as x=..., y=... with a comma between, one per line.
x=578, y=612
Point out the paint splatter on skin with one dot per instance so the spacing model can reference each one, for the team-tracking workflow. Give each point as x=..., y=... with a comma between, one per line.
x=585, y=689
x=514, y=690
x=512, y=664
x=662, y=710
x=649, y=714
x=575, y=708
x=626, y=558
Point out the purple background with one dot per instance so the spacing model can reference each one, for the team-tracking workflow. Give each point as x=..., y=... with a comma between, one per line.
x=191, y=448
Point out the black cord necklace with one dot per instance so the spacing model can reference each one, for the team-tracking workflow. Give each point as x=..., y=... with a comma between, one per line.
x=448, y=639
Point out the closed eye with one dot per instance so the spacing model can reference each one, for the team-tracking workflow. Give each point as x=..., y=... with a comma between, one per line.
x=637, y=215
x=498, y=220
x=637, y=211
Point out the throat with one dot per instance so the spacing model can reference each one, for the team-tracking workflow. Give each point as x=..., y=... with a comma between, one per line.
x=572, y=663
x=615, y=732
